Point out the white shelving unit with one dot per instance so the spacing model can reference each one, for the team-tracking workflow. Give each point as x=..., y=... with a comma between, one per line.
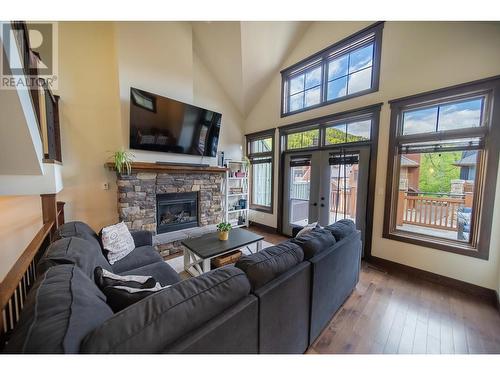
x=238, y=217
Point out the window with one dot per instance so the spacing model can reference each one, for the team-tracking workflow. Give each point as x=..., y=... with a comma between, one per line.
x=260, y=152
x=443, y=153
x=344, y=70
x=355, y=131
x=303, y=139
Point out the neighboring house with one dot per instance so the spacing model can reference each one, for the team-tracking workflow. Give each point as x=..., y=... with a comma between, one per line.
x=467, y=165
x=410, y=172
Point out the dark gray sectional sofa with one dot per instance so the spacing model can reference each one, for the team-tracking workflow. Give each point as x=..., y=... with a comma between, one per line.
x=275, y=301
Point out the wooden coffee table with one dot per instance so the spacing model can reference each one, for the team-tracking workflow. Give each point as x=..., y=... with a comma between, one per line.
x=198, y=251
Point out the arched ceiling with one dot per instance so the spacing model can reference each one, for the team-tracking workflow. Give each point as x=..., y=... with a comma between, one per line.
x=243, y=56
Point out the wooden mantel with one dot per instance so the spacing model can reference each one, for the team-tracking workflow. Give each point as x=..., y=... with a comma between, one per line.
x=154, y=167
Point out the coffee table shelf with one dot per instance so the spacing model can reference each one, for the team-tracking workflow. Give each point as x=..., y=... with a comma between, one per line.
x=199, y=251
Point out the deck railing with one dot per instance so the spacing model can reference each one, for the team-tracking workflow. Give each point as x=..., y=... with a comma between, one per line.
x=437, y=212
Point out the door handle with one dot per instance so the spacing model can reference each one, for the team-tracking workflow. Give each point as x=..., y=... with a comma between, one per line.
x=322, y=198
x=322, y=205
x=315, y=204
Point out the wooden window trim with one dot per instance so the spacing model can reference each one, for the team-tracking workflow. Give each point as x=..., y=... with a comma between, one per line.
x=323, y=55
x=482, y=218
x=270, y=133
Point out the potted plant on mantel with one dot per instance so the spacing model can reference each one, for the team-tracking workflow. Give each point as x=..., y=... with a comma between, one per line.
x=223, y=229
x=123, y=161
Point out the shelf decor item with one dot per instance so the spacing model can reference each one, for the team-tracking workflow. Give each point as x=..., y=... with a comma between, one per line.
x=123, y=161
x=223, y=229
x=236, y=193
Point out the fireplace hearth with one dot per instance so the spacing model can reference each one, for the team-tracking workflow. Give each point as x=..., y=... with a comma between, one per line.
x=176, y=211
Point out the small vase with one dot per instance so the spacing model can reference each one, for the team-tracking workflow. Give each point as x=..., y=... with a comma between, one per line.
x=223, y=236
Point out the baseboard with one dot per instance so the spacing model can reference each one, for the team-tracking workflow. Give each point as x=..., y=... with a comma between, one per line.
x=463, y=286
x=267, y=228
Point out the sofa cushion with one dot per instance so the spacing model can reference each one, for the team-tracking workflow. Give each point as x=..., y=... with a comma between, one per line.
x=341, y=228
x=73, y=250
x=269, y=263
x=63, y=306
x=160, y=271
x=314, y=242
x=78, y=229
x=117, y=242
x=153, y=323
x=140, y=256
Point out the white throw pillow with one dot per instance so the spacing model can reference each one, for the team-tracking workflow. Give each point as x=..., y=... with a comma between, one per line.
x=118, y=241
x=308, y=228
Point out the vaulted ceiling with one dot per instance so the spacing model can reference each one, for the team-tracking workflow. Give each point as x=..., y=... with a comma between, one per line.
x=243, y=56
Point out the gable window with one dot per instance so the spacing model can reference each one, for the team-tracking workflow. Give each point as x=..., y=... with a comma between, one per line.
x=344, y=70
x=443, y=161
x=260, y=152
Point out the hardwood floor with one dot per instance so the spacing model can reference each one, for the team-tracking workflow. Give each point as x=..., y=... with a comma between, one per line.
x=396, y=313
x=273, y=238
x=393, y=312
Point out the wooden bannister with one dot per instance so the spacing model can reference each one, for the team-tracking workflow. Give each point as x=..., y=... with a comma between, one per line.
x=18, y=282
x=431, y=212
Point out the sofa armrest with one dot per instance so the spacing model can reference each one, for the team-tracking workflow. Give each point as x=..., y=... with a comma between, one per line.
x=142, y=238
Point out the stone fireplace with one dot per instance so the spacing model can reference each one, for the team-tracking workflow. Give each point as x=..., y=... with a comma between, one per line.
x=173, y=204
x=176, y=211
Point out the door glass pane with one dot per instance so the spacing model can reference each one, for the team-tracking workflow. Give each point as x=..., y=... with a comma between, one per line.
x=359, y=81
x=436, y=191
x=300, y=182
x=343, y=192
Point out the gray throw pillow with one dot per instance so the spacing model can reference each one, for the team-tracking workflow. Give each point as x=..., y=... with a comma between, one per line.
x=117, y=241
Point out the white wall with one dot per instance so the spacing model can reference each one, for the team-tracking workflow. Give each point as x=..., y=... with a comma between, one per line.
x=99, y=61
x=158, y=57
x=416, y=57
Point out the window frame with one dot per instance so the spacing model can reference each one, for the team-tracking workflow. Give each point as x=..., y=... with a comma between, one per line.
x=323, y=57
x=270, y=133
x=486, y=175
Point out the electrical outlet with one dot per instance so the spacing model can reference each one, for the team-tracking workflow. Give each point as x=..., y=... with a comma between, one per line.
x=105, y=186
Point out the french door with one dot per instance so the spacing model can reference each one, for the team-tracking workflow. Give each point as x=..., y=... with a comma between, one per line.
x=325, y=186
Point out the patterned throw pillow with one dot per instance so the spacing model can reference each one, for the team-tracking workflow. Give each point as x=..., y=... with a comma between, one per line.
x=120, y=296
x=123, y=291
x=308, y=228
x=104, y=278
x=117, y=241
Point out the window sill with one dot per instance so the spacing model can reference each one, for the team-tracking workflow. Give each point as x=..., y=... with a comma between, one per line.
x=264, y=209
x=437, y=243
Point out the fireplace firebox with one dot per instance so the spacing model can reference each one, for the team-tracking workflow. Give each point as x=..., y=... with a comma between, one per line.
x=175, y=211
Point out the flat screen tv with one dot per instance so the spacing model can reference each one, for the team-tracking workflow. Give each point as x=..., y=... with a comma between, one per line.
x=166, y=125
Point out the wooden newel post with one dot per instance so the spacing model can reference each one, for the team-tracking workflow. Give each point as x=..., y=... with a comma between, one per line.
x=400, y=208
x=49, y=210
x=468, y=199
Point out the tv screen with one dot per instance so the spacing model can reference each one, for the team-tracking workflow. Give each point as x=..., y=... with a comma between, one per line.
x=166, y=125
